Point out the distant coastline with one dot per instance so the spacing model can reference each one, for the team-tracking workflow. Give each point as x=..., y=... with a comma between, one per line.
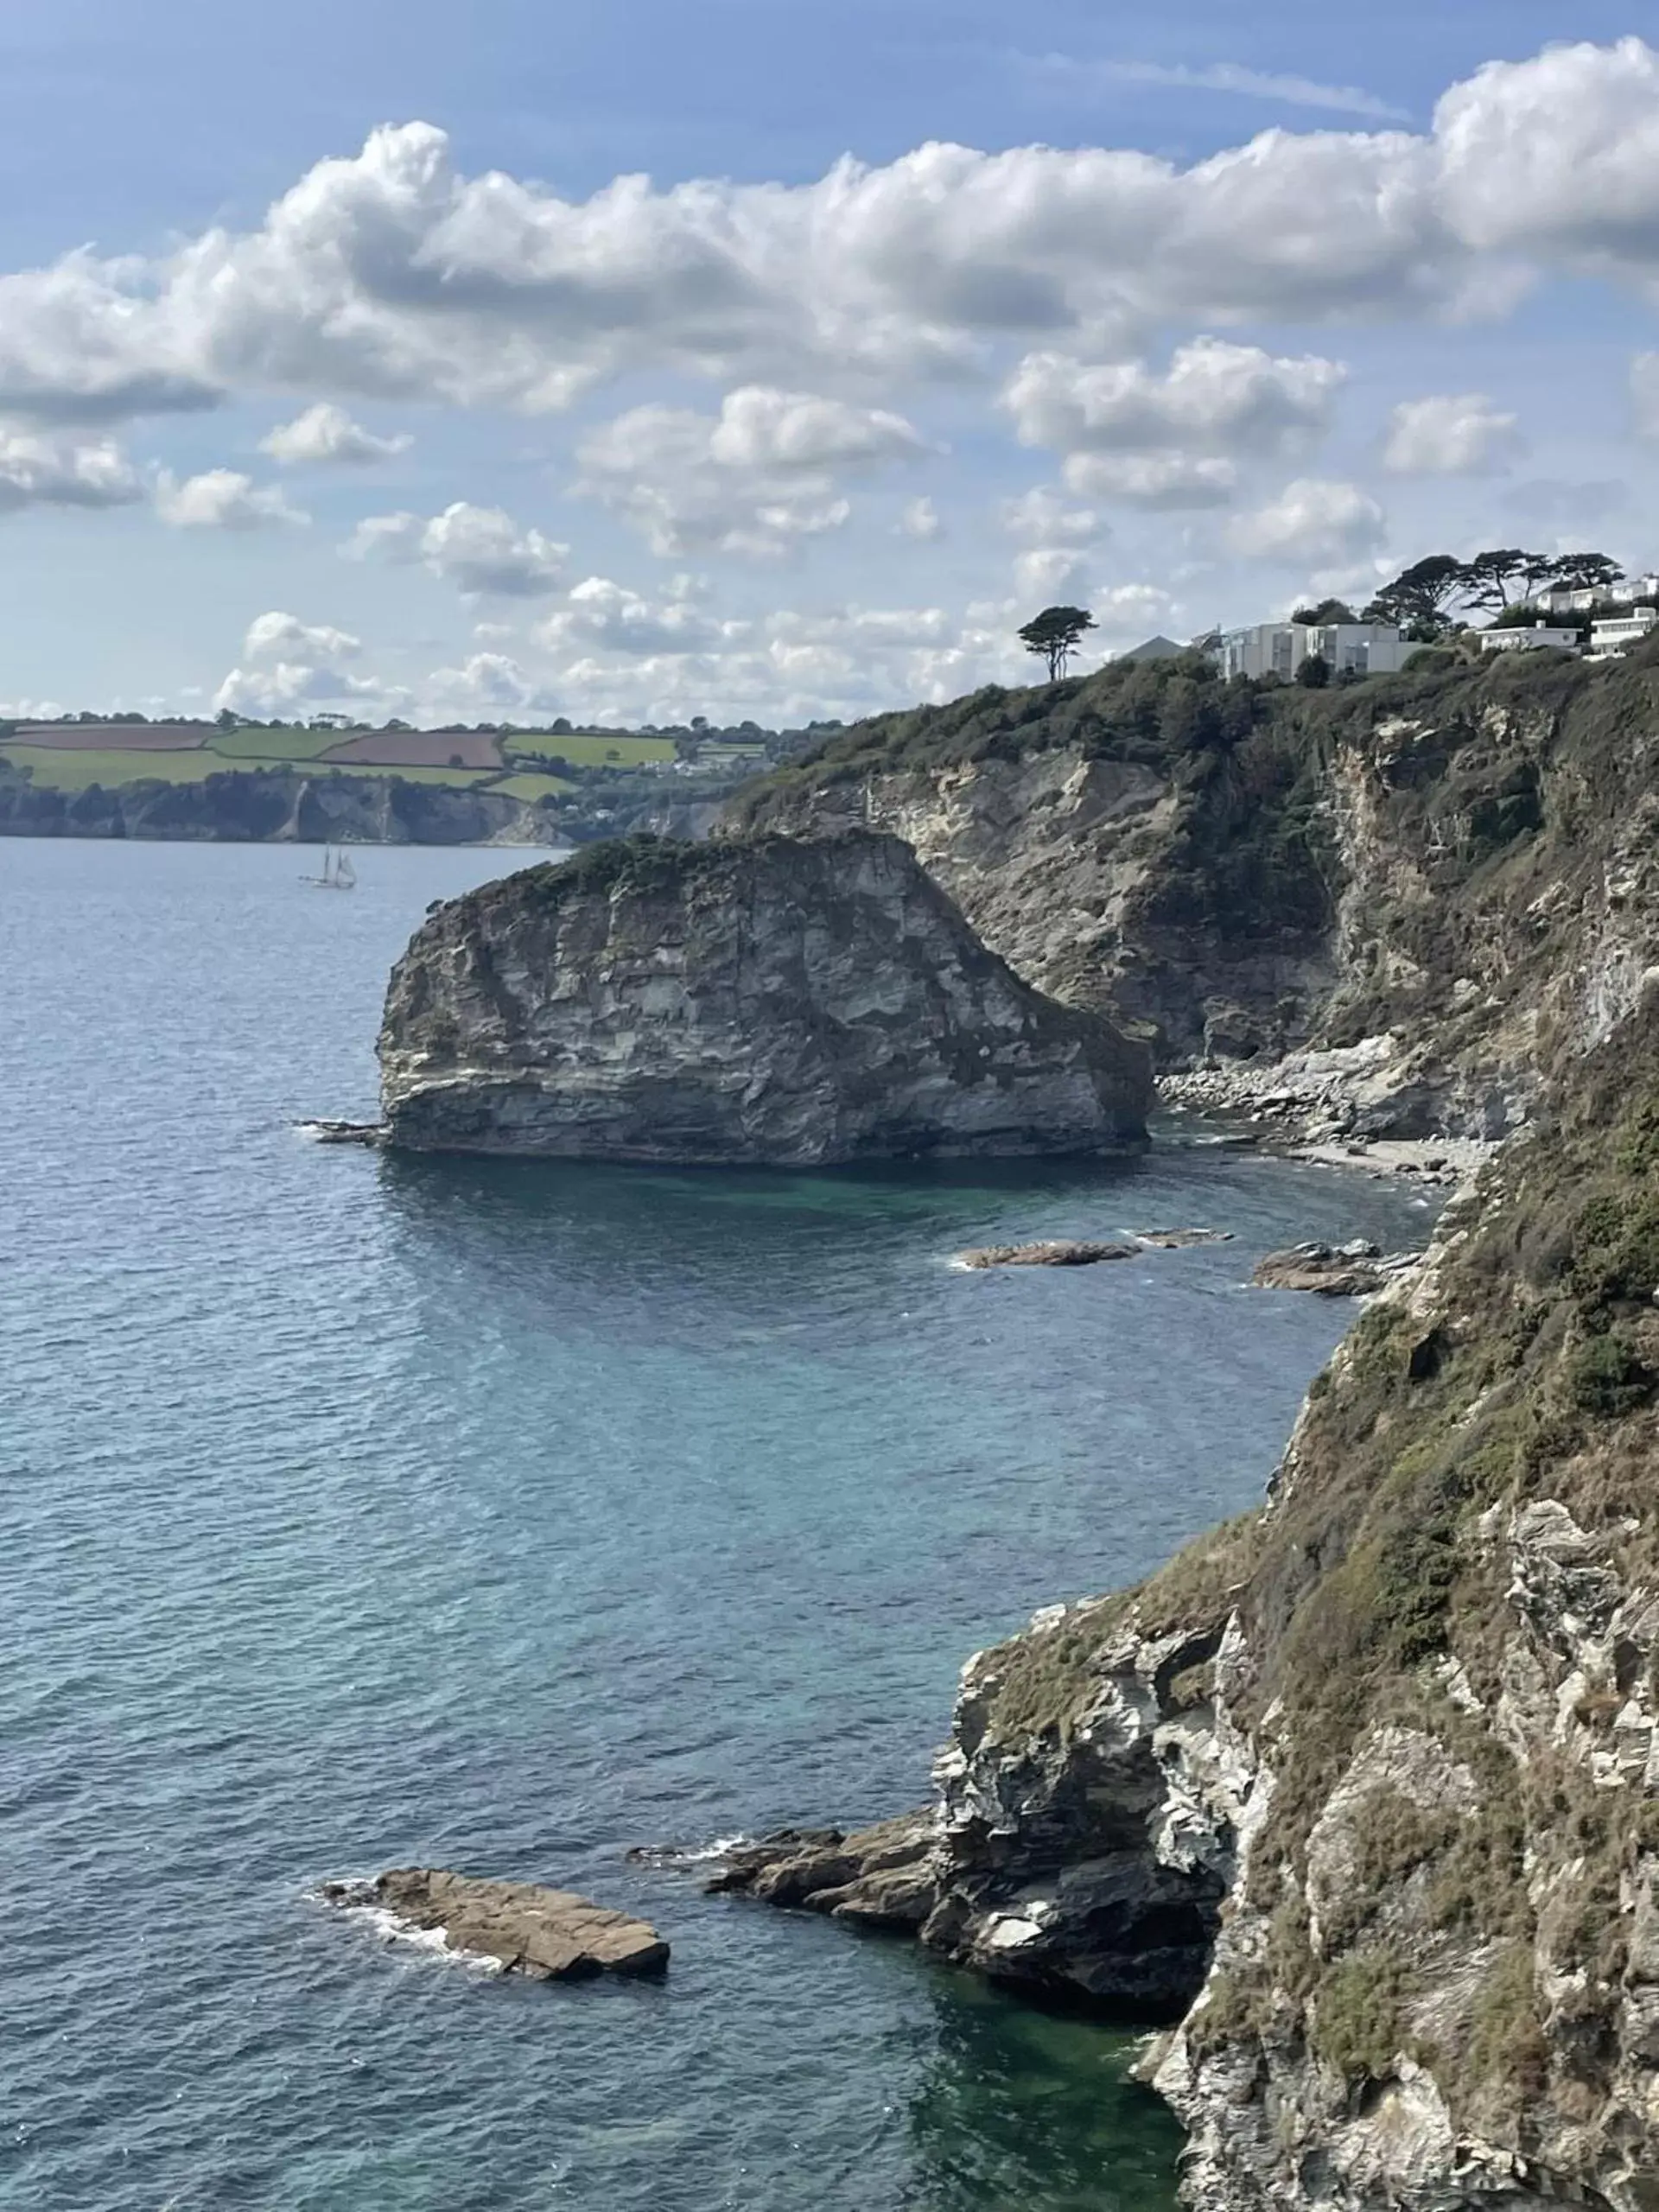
x=273, y=806
x=259, y=783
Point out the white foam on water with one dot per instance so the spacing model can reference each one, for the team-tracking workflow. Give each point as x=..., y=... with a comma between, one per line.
x=390, y=1929
x=671, y=1855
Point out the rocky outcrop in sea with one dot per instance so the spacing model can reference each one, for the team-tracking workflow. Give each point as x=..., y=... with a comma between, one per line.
x=523, y=1927
x=761, y=1001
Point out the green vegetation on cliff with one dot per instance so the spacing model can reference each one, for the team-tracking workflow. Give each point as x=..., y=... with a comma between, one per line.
x=1243, y=869
x=1446, y=1628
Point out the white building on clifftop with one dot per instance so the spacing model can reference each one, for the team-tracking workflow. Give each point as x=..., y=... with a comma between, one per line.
x=1346, y=648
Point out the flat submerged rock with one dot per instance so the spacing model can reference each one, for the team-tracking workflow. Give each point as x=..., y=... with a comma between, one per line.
x=1079, y=1252
x=546, y=1934
x=1054, y=1252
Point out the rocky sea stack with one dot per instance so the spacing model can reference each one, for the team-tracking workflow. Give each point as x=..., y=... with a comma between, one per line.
x=761, y=1001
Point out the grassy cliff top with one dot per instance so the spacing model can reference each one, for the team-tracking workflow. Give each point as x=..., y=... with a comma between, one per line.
x=642, y=864
x=1161, y=712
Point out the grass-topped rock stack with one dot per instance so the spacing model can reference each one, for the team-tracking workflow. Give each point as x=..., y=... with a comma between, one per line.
x=759, y=1000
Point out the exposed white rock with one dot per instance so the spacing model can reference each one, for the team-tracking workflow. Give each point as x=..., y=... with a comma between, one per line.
x=755, y=1001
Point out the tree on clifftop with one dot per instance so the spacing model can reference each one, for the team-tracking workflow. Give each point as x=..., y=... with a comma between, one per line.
x=1055, y=634
x=1497, y=579
x=1420, y=596
x=1586, y=571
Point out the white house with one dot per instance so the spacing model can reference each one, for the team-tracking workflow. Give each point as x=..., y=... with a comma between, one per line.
x=1519, y=640
x=1584, y=599
x=1347, y=648
x=1621, y=631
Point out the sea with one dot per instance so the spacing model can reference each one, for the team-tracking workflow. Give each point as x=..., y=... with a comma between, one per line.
x=358, y=1512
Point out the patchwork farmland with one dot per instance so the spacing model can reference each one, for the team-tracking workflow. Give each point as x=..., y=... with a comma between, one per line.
x=73, y=756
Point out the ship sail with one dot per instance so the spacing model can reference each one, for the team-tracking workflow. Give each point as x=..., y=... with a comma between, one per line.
x=337, y=873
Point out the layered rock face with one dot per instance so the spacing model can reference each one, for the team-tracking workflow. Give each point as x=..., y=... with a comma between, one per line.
x=1362, y=1791
x=1383, y=907
x=760, y=1001
x=1367, y=1785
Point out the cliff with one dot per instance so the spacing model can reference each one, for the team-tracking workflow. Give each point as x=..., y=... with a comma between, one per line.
x=1360, y=1795
x=1395, y=1734
x=1362, y=1791
x=258, y=807
x=1390, y=903
x=753, y=1000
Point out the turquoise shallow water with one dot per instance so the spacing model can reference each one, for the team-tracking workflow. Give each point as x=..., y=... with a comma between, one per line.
x=356, y=1512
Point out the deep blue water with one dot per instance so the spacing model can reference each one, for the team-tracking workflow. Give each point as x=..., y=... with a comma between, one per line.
x=356, y=1512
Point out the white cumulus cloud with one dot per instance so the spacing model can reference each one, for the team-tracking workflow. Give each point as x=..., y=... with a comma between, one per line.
x=272, y=636
x=599, y=616
x=1041, y=570
x=481, y=550
x=1131, y=611
x=390, y=274
x=753, y=479
x=39, y=469
x=1042, y=518
x=1453, y=433
x=1166, y=481
x=1314, y=521
x=326, y=434
x=1215, y=398
x=222, y=498
x=484, y=685
x=277, y=688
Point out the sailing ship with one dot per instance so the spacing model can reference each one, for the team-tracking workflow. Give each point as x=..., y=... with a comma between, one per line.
x=337, y=873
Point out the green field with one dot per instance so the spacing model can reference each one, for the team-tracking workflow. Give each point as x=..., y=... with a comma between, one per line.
x=274, y=745
x=590, y=748
x=62, y=769
x=532, y=787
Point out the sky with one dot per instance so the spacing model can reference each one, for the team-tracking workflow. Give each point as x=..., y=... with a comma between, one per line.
x=629, y=359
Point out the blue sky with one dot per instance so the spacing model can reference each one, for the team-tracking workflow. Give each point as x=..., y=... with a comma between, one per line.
x=764, y=437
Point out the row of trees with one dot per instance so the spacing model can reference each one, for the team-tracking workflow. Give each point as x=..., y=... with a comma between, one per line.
x=1427, y=600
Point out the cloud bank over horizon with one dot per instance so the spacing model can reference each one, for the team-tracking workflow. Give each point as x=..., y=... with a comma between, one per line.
x=799, y=449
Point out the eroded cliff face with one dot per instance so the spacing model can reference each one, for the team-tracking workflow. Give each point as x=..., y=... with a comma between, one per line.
x=1060, y=858
x=1369, y=1782
x=761, y=1001
x=1387, y=906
